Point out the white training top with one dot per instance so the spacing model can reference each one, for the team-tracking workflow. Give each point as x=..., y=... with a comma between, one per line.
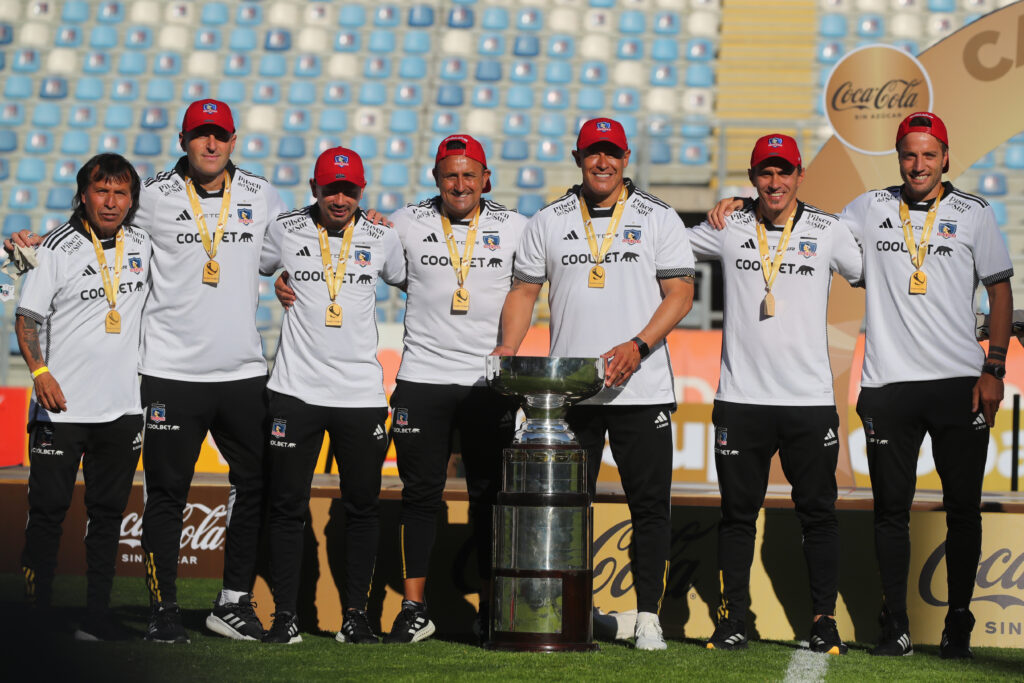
x=919, y=337
x=780, y=360
x=441, y=347
x=192, y=331
x=650, y=245
x=97, y=372
x=331, y=366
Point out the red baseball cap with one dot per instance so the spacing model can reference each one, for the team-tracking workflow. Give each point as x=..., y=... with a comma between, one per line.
x=339, y=164
x=775, y=145
x=473, y=149
x=924, y=122
x=601, y=130
x=208, y=112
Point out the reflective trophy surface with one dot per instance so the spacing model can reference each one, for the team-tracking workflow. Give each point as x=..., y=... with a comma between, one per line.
x=542, y=573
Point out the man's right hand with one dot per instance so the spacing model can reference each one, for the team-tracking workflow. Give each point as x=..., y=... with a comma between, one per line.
x=22, y=238
x=284, y=293
x=49, y=394
x=724, y=207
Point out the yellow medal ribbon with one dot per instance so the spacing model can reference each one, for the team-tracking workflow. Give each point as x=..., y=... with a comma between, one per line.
x=770, y=266
x=211, y=271
x=112, y=321
x=596, y=278
x=334, y=276
x=461, y=265
x=918, y=280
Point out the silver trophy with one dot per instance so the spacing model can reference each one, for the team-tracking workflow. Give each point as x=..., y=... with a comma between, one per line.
x=542, y=574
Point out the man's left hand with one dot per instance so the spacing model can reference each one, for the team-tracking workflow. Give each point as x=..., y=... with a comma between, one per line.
x=621, y=363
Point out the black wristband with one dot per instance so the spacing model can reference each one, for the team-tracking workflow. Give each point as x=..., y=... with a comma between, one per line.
x=642, y=347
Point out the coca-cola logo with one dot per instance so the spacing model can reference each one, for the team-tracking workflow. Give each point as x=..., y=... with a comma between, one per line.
x=203, y=528
x=870, y=91
x=1000, y=578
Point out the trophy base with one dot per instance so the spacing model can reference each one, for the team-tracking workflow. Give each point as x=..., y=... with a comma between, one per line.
x=540, y=647
x=542, y=611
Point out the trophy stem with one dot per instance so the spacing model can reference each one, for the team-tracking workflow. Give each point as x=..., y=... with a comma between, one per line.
x=545, y=406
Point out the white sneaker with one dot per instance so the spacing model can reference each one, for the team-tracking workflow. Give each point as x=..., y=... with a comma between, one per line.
x=648, y=632
x=614, y=626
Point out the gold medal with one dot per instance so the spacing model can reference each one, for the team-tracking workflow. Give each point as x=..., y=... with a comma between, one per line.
x=113, y=322
x=211, y=273
x=771, y=265
x=768, y=305
x=918, y=283
x=333, y=318
x=596, y=279
x=460, y=300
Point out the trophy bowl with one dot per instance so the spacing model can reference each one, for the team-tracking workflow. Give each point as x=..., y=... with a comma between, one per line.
x=548, y=384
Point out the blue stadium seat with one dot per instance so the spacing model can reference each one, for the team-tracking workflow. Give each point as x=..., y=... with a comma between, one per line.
x=103, y=37
x=195, y=89
x=558, y=72
x=871, y=26
x=302, y=92
x=942, y=5
x=495, y=18
x=593, y=73
x=118, y=117
x=561, y=47
x=46, y=115
x=365, y=146
x=667, y=23
x=132, y=64
x=6, y=33
x=16, y=222
x=550, y=151
x=373, y=94
x=207, y=39
x=30, y=170
x=696, y=127
x=664, y=75
x=65, y=171
x=125, y=90
x=491, y=45
x=530, y=204
x=307, y=66
x=665, y=50
x=1014, y=157
x=110, y=13
x=552, y=125
x=529, y=19
x=488, y=70
x=908, y=46
x=296, y=120
x=5, y=169
x=515, y=149
x=659, y=152
x=287, y=196
x=333, y=120
x=404, y=121
x=386, y=15
x=445, y=122
x=421, y=16
x=632, y=21
x=416, y=42
x=266, y=92
x=59, y=198
x=630, y=48
x=530, y=177
x=590, y=99
x=25, y=60
x=214, y=14
x=38, y=142
x=394, y=175
x=18, y=87
x=337, y=92
x=700, y=50
x=75, y=11
x=231, y=92
x=377, y=67
x=237, y=64
x=999, y=209
x=53, y=88
x=625, y=99
x=412, y=68
x=985, y=162
x=148, y=145
x=67, y=36
x=659, y=126
x=516, y=123
x=381, y=41
x=154, y=118
x=523, y=71
x=450, y=96
x=12, y=114
x=699, y=76
x=629, y=124
x=255, y=146
x=832, y=26
x=352, y=16
x=347, y=42
x=243, y=39
x=485, y=96
x=526, y=46
x=408, y=95
x=992, y=185
x=278, y=40
x=286, y=175
x=273, y=66
x=461, y=17
x=426, y=175
x=519, y=97
x=23, y=198
x=695, y=153
x=73, y=142
x=96, y=62
x=453, y=69
x=167, y=64
x=111, y=142
x=830, y=52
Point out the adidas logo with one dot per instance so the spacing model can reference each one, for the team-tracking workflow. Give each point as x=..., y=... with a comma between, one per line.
x=749, y=244
x=571, y=235
x=303, y=252
x=661, y=420
x=379, y=432
x=183, y=216
x=886, y=224
x=979, y=422
x=89, y=270
x=432, y=237
x=830, y=437
x=138, y=439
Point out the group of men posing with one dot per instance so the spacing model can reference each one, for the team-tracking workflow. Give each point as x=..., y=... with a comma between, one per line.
x=137, y=282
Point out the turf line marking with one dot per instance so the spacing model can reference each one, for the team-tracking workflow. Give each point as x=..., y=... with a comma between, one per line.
x=805, y=666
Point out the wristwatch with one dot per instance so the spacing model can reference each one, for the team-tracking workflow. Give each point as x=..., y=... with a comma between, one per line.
x=995, y=369
x=642, y=347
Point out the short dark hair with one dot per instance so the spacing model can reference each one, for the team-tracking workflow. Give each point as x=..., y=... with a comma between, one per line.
x=107, y=167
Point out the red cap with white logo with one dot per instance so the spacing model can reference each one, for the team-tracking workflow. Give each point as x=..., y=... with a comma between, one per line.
x=773, y=146
x=601, y=130
x=337, y=165
x=208, y=113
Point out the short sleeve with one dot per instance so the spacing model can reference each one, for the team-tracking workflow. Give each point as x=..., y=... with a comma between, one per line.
x=394, y=271
x=41, y=285
x=148, y=198
x=530, y=258
x=991, y=257
x=706, y=241
x=275, y=205
x=854, y=215
x=673, y=256
x=847, y=258
x=270, y=256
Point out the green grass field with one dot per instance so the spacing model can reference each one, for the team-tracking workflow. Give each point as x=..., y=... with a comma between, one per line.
x=31, y=655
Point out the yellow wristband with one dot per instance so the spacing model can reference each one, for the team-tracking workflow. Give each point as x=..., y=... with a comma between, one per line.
x=39, y=371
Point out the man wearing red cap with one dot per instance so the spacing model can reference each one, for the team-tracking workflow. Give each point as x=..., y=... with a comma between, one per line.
x=201, y=360
x=777, y=257
x=327, y=379
x=926, y=246
x=619, y=264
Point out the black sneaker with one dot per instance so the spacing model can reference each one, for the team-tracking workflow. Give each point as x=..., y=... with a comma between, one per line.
x=956, y=637
x=165, y=624
x=285, y=629
x=895, y=638
x=236, y=620
x=101, y=626
x=730, y=634
x=412, y=624
x=825, y=637
x=355, y=628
